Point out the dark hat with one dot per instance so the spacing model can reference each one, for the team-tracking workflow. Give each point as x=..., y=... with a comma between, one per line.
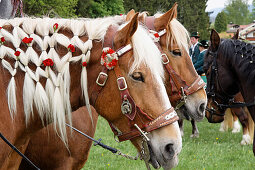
x=194, y=34
x=204, y=43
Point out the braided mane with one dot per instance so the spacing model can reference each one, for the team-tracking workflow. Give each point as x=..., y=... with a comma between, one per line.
x=51, y=102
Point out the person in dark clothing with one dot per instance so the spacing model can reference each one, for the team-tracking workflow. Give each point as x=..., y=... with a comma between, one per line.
x=203, y=45
x=194, y=49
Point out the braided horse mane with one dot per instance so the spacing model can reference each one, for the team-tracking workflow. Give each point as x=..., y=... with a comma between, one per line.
x=52, y=100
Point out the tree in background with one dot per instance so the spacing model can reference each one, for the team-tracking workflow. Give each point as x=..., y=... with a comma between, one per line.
x=191, y=13
x=99, y=8
x=237, y=12
x=62, y=8
x=151, y=6
x=221, y=22
x=252, y=14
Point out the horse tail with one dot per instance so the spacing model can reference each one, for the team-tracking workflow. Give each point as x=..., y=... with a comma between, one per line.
x=250, y=123
x=228, y=119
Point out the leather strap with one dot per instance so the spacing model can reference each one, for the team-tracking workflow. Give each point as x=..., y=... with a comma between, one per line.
x=195, y=86
x=166, y=118
x=100, y=82
x=124, y=94
x=175, y=80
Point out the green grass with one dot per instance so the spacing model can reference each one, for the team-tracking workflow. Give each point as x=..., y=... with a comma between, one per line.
x=212, y=150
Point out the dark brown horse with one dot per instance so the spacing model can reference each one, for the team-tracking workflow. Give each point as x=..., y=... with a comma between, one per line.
x=229, y=67
x=230, y=117
x=139, y=73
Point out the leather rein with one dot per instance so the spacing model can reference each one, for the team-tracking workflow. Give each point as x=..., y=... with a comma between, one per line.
x=180, y=89
x=128, y=106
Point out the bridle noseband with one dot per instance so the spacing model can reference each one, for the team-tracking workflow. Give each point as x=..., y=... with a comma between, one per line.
x=128, y=106
x=180, y=90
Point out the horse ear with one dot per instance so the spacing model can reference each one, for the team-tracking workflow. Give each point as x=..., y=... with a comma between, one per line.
x=124, y=35
x=235, y=37
x=142, y=16
x=215, y=40
x=163, y=21
x=130, y=15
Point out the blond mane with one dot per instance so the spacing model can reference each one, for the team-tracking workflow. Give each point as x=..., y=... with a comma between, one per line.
x=51, y=102
x=179, y=34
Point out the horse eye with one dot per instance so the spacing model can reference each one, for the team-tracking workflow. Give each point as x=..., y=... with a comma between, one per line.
x=137, y=76
x=177, y=53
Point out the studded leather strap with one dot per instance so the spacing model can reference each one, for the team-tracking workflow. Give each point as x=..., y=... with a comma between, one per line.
x=164, y=119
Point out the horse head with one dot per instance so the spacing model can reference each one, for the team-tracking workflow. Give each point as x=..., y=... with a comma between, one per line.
x=221, y=84
x=183, y=85
x=138, y=101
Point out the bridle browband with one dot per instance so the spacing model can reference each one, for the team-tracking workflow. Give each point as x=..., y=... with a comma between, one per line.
x=211, y=91
x=128, y=106
x=180, y=90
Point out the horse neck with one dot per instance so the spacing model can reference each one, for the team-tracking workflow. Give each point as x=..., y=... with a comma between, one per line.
x=242, y=71
x=6, y=9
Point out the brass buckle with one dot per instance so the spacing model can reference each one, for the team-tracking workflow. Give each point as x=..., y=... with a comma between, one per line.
x=164, y=56
x=103, y=74
x=125, y=83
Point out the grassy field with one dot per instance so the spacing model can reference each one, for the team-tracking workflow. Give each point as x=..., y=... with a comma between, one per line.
x=212, y=150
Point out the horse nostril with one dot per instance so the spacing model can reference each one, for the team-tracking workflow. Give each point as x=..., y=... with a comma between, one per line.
x=201, y=108
x=169, y=150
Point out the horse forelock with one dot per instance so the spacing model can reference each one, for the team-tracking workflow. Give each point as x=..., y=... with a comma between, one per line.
x=146, y=52
x=178, y=33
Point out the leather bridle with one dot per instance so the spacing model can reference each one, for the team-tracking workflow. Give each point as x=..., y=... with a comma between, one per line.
x=227, y=99
x=128, y=106
x=180, y=89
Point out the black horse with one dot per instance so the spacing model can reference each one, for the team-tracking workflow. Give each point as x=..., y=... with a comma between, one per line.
x=230, y=67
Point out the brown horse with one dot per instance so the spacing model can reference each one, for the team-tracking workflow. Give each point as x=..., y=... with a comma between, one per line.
x=62, y=158
x=190, y=102
x=169, y=17
x=191, y=105
x=142, y=71
x=229, y=67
